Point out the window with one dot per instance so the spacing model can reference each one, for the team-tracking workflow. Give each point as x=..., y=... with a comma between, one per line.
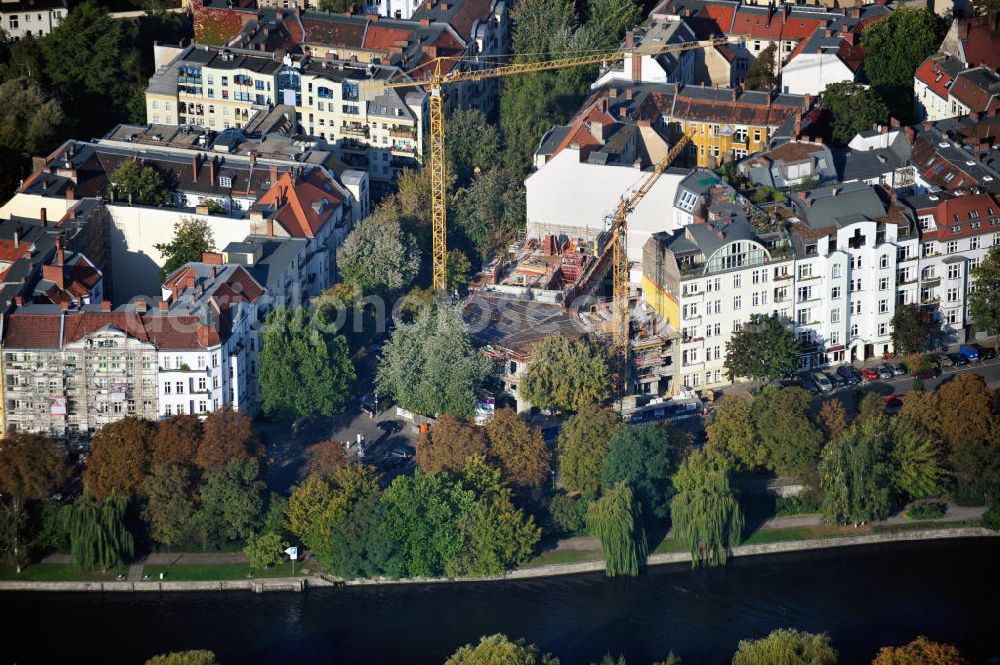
x=951, y=316
x=803, y=316
x=835, y=315
x=166, y=388
x=835, y=292
x=883, y=329
x=180, y=387
x=737, y=302
x=954, y=271
x=857, y=263
x=883, y=306
x=974, y=242
x=202, y=406
x=168, y=410
x=835, y=272
x=201, y=384
x=854, y=330
x=737, y=281
x=805, y=271
x=951, y=247
x=883, y=283
x=883, y=261
x=952, y=295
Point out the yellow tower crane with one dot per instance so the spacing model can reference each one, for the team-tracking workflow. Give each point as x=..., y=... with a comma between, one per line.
x=439, y=78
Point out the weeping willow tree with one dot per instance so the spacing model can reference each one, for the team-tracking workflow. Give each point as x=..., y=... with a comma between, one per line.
x=705, y=513
x=97, y=532
x=615, y=520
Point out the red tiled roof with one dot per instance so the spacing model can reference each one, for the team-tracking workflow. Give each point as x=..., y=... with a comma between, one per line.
x=731, y=112
x=294, y=199
x=382, y=37
x=980, y=44
x=931, y=74
x=852, y=55
x=963, y=212
x=29, y=330
x=773, y=25
x=346, y=34
x=971, y=95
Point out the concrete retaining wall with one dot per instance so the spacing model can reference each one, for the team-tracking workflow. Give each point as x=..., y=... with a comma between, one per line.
x=301, y=583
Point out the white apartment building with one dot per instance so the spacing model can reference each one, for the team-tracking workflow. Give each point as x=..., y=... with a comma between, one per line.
x=34, y=18
x=848, y=248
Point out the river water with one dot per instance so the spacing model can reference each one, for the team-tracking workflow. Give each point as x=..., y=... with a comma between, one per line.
x=864, y=597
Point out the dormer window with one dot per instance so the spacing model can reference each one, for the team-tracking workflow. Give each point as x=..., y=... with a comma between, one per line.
x=973, y=214
x=225, y=181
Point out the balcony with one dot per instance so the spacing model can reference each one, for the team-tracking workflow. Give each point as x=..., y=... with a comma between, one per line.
x=403, y=132
x=355, y=130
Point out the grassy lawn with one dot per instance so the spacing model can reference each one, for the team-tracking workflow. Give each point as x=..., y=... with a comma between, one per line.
x=215, y=571
x=669, y=546
x=54, y=572
x=801, y=533
x=565, y=556
x=926, y=526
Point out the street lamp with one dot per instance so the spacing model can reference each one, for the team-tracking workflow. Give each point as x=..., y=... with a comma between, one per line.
x=376, y=405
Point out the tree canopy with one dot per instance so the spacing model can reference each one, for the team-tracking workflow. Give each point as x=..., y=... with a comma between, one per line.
x=582, y=447
x=143, y=185
x=177, y=440
x=894, y=48
x=448, y=443
x=761, y=75
x=788, y=647
x=910, y=329
x=119, y=457
x=920, y=651
x=201, y=657
x=192, y=236
x=786, y=431
x=31, y=468
x=705, y=514
x=471, y=144
x=854, y=108
x=378, y=256
x=430, y=367
x=731, y=433
x=616, y=520
x=498, y=650
x=304, y=369
x=490, y=210
x=763, y=350
x=566, y=374
x=517, y=449
x=984, y=294
x=227, y=434
x=643, y=457
x=170, y=503
x=856, y=475
x=98, y=536
x=232, y=501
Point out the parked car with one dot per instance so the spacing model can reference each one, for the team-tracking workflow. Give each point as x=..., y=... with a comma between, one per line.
x=969, y=352
x=869, y=374
x=987, y=354
x=958, y=360
x=402, y=453
x=929, y=373
x=899, y=369
x=850, y=375
x=806, y=381
x=822, y=381
x=943, y=360
x=836, y=379
x=884, y=371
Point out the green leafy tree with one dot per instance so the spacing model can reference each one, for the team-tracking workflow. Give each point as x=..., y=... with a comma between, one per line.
x=423, y=513
x=612, y=17
x=763, y=350
x=705, y=514
x=83, y=56
x=192, y=238
x=265, y=550
x=854, y=108
x=984, y=296
x=120, y=453
x=616, y=520
x=31, y=468
x=232, y=501
x=98, y=536
x=518, y=449
x=566, y=374
x=170, y=503
x=731, y=433
x=303, y=369
x=644, y=457
x=335, y=6
x=471, y=144
x=498, y=650
x=761, y=75
x=918, y=461
x=307, y=503
x=788, y=647
x=29, y=118
x=143, y=185
x=361, y=545
x=894, y=48
x=910, y=330
x=782, y=421
x=201, y=657
x=582, y=448
x=490, y=210
x=856, y=475
x=871, y=407
x=457, y=270
x=430, y=367
x=498, y=536
x=379, y=257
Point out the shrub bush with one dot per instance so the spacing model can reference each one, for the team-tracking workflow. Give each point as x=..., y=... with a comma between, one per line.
x=566, y=516
x=991, y=518
x=795, y=505
x=968, y=494
x=931, y=510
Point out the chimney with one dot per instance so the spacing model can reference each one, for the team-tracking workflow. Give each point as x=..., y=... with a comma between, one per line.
x=629, y=92
x=798, y=126
x=802, y=195
x=425, y=22
x=64, y=305
x=274, y=174
x=60, y=255
x=70, y=194
x=215, y=271
x=834, y=191
x=629, y=40
x=213, y=258
x=211, y=171
x=636, y=68
x=736, y=92
x=43, y=215
x=195, y=163
x=963, y=30
x=105, y=305
x=141, y=305
x=164, y=305
x=54, y=274
x=828, y=32
x=203, y=334
x=622, y=112
x=18, y=300
x=807, y=101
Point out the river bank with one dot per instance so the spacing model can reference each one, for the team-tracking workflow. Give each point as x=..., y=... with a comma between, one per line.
x=302, y=582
